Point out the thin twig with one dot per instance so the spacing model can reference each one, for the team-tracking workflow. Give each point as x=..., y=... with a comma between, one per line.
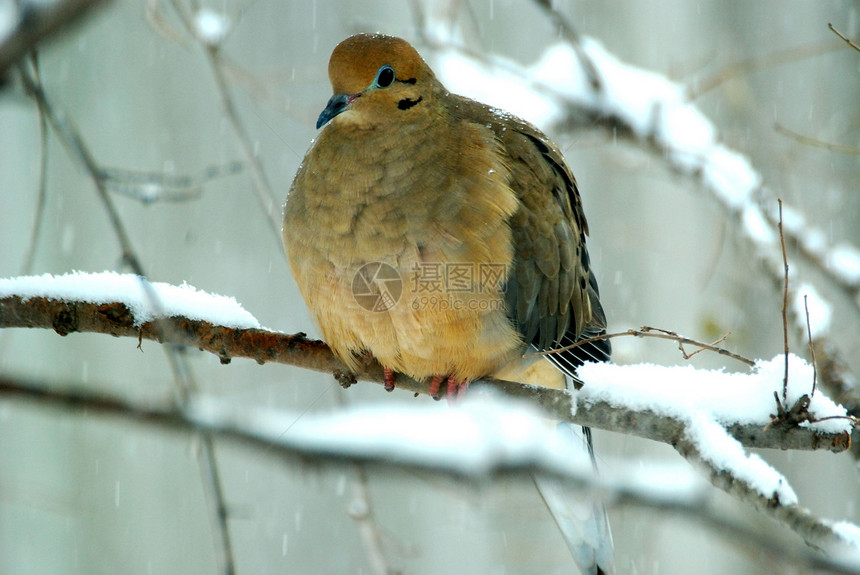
x=262, y=188
x=183, y=379
x=841, y=35
x=39, y=218
x=784, y=306
x=77, y=149
x=152, y=187
x=647, y=331
x=750, y=65
x=573, y=38
x=811, y=347
x=840, y=148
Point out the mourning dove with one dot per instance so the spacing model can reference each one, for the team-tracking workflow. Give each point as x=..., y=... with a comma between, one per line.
x=444, y=238
x=438, y=234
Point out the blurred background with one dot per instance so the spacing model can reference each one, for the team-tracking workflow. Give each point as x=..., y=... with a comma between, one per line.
x=83, y=494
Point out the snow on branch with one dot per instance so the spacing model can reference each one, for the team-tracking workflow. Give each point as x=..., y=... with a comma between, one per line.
x=483, y=438
x=113, y=304
x=106, y=287
x=706, y=415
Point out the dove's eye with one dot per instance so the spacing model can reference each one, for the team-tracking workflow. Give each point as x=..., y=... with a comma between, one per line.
x=384, y=77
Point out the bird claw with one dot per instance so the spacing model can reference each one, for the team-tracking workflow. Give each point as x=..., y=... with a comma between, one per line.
x=454, y=389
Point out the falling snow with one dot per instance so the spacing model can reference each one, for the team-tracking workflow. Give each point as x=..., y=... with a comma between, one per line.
x=210, y=26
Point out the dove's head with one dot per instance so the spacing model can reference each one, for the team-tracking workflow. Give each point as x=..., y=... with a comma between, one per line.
x=374, y=77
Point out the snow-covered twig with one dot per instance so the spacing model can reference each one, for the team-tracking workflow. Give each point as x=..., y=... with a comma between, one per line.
x=482, y=440
x=819, y=533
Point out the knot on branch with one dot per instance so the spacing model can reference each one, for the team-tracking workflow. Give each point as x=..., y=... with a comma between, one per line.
x=788, y=418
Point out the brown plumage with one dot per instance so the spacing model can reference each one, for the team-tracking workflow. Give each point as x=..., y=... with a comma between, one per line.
x=431, y=183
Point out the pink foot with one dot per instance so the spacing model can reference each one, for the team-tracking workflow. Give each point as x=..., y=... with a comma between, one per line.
x=435, y=386
x=456, y=389
x=388, y=378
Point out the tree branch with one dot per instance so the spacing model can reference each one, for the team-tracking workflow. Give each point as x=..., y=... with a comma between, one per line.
x=263, y=346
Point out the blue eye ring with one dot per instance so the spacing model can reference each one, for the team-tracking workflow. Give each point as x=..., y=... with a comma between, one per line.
x=384, y=77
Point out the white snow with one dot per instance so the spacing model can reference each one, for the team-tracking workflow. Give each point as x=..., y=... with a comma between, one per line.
x=756, y=226
x=730, y=176
x=108, y=287
x=9, y=18
x=729, y=398
x=480, y=434
x=844, y=261
x=211, y=27
x=558, y=68
x=639, y=97
x=650, y=104
x=498, y=87
x=688, y=130
x=707, y=400
x=725, y=453
x=485, y=432
x=819, y=310
x=848, y=532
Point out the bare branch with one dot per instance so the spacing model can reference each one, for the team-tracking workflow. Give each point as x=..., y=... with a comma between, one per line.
x=656, y=332
x=845, y=38
x=30, y=258
x=361, y=511
x=262, y=188
x=811, y=347
x=751, y=65
x=814, y=142
x=784, y=307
